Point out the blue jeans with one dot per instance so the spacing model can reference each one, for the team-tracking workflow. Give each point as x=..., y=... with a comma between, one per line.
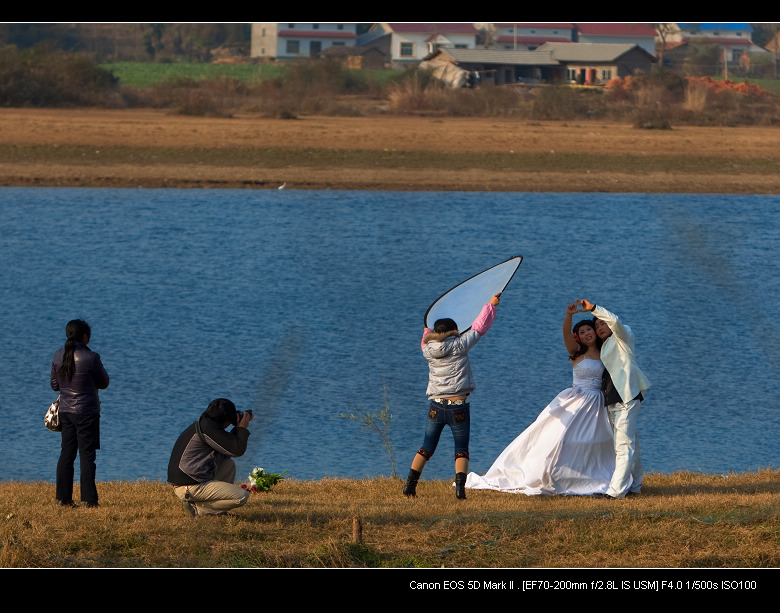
x=458, y=418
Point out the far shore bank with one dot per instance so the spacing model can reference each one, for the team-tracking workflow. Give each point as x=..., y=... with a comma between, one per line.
x=400, y=181
x=152, y=149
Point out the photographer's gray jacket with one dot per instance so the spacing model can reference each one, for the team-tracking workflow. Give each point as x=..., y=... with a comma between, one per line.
x=194, y=460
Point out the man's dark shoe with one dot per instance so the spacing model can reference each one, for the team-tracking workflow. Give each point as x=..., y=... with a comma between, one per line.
x=67, y=503
x=91, y=504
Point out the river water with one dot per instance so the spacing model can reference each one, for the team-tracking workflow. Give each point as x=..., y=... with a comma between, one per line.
x=303, y=305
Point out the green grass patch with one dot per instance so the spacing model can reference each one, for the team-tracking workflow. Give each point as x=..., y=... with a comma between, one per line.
x=148, y=74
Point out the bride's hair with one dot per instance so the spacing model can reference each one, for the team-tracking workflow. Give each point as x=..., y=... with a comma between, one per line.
x=591, y=323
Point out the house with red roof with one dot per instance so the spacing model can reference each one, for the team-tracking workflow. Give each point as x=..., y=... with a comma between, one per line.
x=529, y=36
x=641, y=34
x=289, y=41
x=405, y=43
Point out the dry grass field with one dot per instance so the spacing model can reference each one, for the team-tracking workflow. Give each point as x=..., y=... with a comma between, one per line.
x=683, y=520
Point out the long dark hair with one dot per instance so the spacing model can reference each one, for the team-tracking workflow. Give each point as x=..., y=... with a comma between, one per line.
x=75, y=331
x=585, y=322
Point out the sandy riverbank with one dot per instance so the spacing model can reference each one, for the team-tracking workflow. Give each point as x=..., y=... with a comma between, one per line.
x=43, y=147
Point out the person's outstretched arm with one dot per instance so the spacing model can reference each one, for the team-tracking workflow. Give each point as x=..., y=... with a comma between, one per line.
x=572, y=346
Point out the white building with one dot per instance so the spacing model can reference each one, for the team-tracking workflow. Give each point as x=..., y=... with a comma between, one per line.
x=529, y=36
x=411, y=42
x=299, y=40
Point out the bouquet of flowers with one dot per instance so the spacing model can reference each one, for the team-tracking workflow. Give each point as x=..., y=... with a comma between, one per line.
x=261, y=481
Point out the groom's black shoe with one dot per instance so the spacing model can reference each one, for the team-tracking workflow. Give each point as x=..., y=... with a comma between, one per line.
x=410, y=489
x=460, y=486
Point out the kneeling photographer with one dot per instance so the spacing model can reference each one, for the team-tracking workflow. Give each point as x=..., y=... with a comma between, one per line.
x=201, y=469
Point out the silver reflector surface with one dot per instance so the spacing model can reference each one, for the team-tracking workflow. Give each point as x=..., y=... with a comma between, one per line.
x=464, y=302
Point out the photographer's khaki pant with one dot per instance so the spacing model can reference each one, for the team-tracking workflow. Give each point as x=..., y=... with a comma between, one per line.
x=218, y=496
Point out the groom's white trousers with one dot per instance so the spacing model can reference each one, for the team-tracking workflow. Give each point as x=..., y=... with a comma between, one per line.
x=628, y=464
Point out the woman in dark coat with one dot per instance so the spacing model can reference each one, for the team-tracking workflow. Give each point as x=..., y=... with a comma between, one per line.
x=77, y=374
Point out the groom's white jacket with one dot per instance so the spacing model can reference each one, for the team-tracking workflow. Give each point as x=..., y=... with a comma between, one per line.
x=617, y=354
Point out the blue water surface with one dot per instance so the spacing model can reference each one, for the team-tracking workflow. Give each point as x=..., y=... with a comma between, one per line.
x=303, y=305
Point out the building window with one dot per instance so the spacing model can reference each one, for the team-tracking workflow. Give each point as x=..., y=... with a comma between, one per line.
x=340, y=26
x=315, y=26
x=407, y=50
x=293, y=47
x=291, y=26
x=606, y=74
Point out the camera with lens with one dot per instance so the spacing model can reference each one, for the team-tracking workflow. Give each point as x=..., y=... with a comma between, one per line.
x=240, y=414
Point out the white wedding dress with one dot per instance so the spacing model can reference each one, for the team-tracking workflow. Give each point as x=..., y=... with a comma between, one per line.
x=567, y=450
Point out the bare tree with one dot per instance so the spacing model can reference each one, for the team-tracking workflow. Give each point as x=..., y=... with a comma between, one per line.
x=663, y=30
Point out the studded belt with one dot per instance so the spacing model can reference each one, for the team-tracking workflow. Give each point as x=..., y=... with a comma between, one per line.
x=445, y=401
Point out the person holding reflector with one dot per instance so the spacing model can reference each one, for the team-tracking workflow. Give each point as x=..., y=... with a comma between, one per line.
x=450, y=382
x=449, y=373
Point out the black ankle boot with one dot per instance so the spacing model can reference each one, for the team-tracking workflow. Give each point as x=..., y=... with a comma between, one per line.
x=460, y=486
x=410, y=489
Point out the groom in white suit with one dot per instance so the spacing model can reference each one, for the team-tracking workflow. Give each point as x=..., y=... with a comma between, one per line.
x=623, y=396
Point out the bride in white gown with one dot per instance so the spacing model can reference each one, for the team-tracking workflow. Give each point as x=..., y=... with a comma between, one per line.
x=569, y=448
